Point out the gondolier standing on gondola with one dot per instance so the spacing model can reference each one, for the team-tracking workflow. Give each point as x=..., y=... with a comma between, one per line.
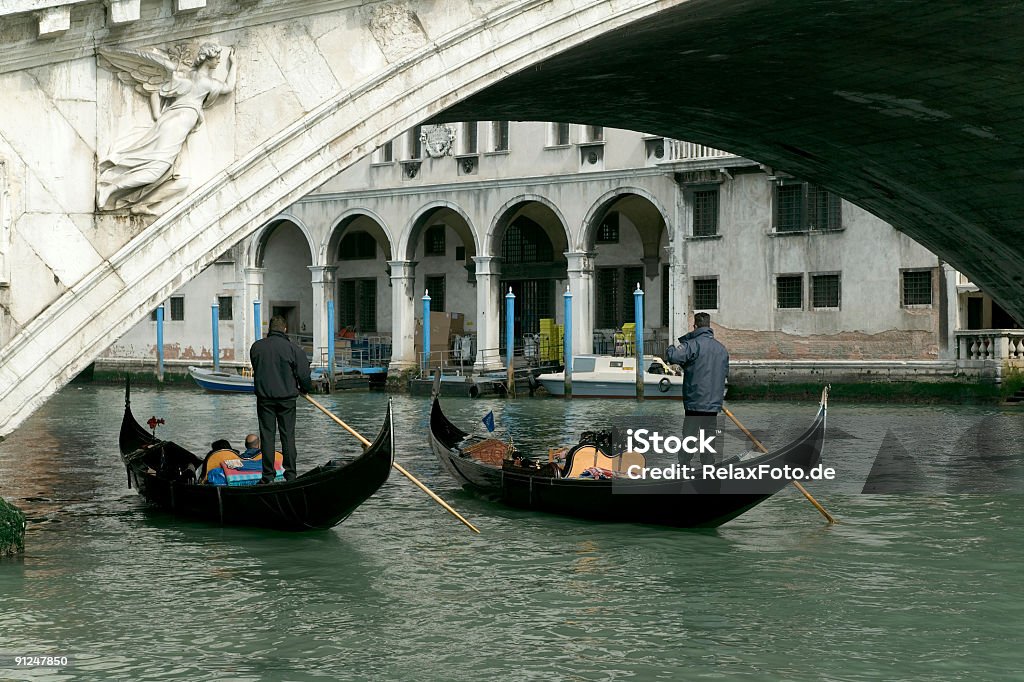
x=705, y=363
x=280, y=372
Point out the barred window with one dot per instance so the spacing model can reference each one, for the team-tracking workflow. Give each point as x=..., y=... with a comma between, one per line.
x=917, y=287
x=357, y=304
x=801, y=206
x=607, y=293
x=705, y=293
x=705, y=212
x=224, y=311
x=665, y=293
x=177, y=308
x=357, y=245
x=608, y=230
x=789, y=208
x=825, y=291
x=789, y=291
x=434, y=242
x=630, y=278
x=434, y=284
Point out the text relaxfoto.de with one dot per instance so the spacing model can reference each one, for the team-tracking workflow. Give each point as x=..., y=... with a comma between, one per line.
x=643, y=441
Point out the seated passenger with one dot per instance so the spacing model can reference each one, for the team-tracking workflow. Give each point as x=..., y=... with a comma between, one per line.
x=252, y=447
x=220, y=451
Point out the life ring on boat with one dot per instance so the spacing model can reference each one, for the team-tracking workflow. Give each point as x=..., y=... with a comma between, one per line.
x=664, y=385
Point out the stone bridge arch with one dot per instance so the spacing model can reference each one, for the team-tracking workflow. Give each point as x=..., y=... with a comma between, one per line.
x=424, y=63
x=930, y=142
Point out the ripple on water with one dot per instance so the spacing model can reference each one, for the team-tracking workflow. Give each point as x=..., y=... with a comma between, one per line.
x=920, y=586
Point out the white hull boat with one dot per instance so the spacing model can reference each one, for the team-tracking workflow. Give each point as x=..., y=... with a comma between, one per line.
x=605, y=376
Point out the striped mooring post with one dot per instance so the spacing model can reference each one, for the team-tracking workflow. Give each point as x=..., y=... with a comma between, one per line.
x=12, y=529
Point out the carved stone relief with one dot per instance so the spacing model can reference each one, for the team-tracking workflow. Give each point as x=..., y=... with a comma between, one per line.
x=142, y=172
x=397, y=30
x=437, y=140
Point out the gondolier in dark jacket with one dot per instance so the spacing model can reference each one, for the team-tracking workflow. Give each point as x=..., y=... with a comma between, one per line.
x=705, y=363
x=280, y=372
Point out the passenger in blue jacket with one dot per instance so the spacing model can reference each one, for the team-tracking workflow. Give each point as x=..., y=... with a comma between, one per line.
x=280, y=372
x=705, y=363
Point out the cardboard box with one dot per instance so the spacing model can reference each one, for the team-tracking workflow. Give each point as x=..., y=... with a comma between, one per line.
x=443, y=326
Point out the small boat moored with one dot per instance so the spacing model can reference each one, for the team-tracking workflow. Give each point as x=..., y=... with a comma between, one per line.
x=606, y=376
x=228, y=382
x=163, y=473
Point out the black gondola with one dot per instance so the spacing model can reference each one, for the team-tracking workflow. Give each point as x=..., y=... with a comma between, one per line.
x=317, y=499
x=539, y=485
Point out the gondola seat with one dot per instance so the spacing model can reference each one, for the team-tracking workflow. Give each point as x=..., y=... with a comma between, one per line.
x=584, y=457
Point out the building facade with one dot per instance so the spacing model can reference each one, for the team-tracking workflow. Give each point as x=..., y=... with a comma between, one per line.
x=470, y=212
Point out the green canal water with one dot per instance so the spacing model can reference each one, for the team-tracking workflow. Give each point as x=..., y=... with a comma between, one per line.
x=922, y=582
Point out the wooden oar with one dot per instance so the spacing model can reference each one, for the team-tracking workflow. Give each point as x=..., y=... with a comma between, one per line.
x=760, y=446
x=397, y=466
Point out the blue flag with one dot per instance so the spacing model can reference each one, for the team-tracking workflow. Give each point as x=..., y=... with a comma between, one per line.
x=488, y=420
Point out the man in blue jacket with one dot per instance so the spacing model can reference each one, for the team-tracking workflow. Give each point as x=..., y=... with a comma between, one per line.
x=705, y=363
x=280, y=372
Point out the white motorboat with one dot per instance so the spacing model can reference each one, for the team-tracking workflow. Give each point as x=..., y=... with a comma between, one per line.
x=606, y=376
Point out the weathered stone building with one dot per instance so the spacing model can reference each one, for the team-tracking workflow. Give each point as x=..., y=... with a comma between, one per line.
x=468, y=211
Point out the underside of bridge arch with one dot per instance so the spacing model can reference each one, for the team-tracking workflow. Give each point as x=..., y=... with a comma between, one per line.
x=916, y=115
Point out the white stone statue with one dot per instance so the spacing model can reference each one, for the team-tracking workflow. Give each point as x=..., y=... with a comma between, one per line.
x=141, y=172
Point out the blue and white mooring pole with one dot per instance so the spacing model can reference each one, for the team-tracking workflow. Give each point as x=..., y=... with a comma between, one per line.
x=638, y=316
x=214, y=322
x=567, y=338
x=160, y=342
x=257, y=323
x=330, y=341
x=426, y=330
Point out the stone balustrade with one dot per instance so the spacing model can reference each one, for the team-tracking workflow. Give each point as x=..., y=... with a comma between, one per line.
x=679, y=150
x=1000, y=346
x=54, y=16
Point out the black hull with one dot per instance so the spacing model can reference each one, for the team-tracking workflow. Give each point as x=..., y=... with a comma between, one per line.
x=318, y=499
x=669, y=503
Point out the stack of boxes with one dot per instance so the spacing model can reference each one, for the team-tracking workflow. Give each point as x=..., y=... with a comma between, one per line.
x=552, y=341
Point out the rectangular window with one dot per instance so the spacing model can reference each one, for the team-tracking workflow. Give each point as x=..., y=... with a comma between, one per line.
x=824, y=209
x=385, y=153
x=705, y=293
x=917, y=287
x=608, y=230
x=434, y=284
x=177, y=308
x=789, y=215
x=415, y=145
x=825, y=291
x=801, y=206
x=607, y=293
x=460, y=253
x=470, y=143
x=499, y=136
x=665, y=289
x=595, y=133
x=224, y=311
x=630, y=278
x=789, y=291
x=559, y=134
x=367, y=306
x=705, y=212
x=434, y=242
x=357, y=305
